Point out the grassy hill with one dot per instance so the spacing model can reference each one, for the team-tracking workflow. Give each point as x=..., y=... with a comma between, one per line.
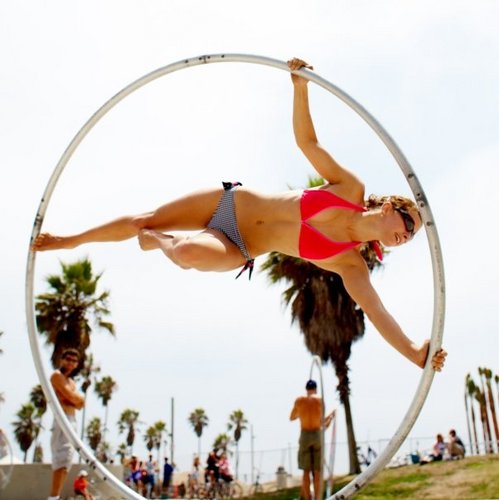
x=471, y=478
x=474, y=478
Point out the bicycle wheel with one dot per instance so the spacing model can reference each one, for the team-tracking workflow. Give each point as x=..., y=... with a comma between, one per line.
x=236, y=490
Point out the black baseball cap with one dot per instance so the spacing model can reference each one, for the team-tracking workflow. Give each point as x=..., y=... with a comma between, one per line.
x=311, y=385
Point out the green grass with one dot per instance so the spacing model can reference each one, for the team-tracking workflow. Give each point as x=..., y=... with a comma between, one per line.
x=473, y=478
x=474, y=465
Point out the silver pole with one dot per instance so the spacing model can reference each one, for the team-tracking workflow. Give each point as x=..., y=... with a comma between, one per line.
x=172, y=434
x=428, y=220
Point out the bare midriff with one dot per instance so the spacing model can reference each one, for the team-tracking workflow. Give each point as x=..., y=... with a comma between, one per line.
x=269, y=222
x=273, y=222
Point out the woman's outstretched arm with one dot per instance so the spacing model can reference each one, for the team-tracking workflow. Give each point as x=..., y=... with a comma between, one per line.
x=306, y=138
x=358, y=285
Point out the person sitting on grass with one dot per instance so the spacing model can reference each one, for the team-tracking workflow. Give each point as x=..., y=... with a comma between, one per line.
x=455, y=446
x=437, y=453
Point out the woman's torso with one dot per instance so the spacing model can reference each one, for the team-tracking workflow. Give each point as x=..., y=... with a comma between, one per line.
x=274, y=222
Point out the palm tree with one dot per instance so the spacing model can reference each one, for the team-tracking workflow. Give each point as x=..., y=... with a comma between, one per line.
x=469, y=390
x=472, y=390
x=64, y=313
x=221, y=443
x=94, y=433
x=88, y=370
x=237, y=421
x=485, y=410
x=487, y=373
x=128, y=421
x=37, y=397
x=479, y=396
x=103, y=451
x=104, y=389
x=160, y=428
x=39, y=401
x=199, y=420
x=27, y=427
x=121, y=452
x=151, y=437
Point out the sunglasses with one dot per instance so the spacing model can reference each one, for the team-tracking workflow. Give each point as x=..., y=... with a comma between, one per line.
x=408, y=220
x=71, y=360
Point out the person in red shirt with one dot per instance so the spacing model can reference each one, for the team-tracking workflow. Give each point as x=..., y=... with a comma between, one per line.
x=81, y=484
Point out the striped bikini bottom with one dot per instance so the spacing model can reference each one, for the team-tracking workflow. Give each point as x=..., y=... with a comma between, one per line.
x=224, y=220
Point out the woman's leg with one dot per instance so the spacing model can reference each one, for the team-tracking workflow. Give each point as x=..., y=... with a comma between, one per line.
x=209, y=250
x=190, y=212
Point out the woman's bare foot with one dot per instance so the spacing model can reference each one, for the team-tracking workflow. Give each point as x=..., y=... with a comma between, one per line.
x=150, y=239
x=47, y=241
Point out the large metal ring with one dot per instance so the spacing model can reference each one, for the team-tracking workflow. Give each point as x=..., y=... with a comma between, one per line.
x=422, y=202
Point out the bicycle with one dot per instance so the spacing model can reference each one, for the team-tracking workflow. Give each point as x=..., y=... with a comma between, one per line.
x=222, y=490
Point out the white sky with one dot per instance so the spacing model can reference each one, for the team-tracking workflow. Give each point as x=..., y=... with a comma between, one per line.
x=427, y=71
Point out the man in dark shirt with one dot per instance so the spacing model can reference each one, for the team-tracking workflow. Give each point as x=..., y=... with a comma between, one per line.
x=167, y=476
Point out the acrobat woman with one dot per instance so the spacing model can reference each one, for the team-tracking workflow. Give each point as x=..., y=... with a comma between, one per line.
x=325, y=226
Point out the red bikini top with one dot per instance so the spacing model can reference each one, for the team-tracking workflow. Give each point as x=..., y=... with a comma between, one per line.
x=312, y=243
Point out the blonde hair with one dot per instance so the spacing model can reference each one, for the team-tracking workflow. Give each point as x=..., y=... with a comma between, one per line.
x=375, y=201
